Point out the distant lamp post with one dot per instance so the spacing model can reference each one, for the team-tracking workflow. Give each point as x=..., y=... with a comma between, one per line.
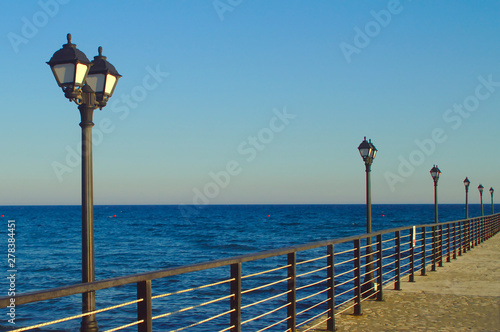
x=481, y=188
x=492, y=205
x=368, y=151
x=435, y=173
x=466, y=183
x=89, y=85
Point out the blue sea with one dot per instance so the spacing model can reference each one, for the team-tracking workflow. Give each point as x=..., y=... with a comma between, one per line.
x=133, y=239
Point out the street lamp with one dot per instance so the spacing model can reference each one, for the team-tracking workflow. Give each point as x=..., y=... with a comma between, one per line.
x=89, y=85
x=368, y=151
x=481, y=188
x=492, y=206
x=435, y=172
x=466, y=183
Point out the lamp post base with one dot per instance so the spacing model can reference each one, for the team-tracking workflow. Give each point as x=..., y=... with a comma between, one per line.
x=368, y=290
x=368, y=286
x=88, y=326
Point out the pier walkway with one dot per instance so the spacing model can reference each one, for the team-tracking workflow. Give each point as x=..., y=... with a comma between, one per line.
x=463, y=295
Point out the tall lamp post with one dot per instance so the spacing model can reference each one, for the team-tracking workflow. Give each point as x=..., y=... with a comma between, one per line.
x=466, y=183
x=492, y=205
x=435, y=172
x=368, y=151
x=89, y=85
x=481, y=188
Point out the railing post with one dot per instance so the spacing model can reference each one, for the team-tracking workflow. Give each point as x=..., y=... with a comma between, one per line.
x=412, y=255
x=473, y=233
x=292, y=292
x=474, y=224
x=478, y=227
x=331, y=287
x=440, y=251
x=380, y=281
x=495, y=224
x=454, y=240
x=357, y=277
x=448, y=253
x=463, y=236
x=490, y=220
x=144, y=308
x=433, y=266
x=486, y=223
x=483, y=236
x=397, y=258
x=460, y=229
x=488, y=229
x=468, y=236
x=477, y=233
x=478, y=230
x=422, y=270
x=235, y=302
x=491, y=231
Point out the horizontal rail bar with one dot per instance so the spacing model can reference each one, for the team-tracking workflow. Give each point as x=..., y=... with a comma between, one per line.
x=312, y=260
x=264, y=272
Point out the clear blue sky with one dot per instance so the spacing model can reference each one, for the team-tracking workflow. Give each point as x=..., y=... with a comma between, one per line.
x=255, y=101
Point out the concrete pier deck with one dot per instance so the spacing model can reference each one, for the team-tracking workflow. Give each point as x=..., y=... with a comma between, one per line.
x=463, y=295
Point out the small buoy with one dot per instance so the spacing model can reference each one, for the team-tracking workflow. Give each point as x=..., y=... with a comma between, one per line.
x=267, y=215
x=114, y=216
x=383, y=215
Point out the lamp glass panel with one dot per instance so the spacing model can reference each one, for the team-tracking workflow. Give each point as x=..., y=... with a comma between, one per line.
x=64, y=73
x=81, y=71
x=374, y=152
x=110, y=84
x=96, y=82
x=364, y=152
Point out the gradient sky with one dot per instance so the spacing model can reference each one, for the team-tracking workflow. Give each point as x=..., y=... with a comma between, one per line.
x=236, y=101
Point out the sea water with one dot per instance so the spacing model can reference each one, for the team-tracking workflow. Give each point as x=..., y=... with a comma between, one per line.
x=133, y=239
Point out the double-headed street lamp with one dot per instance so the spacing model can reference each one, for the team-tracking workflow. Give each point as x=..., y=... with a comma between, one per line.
x=368, y=151
x=89, y=85
x=492, y=206
x=481, y=188
x=466, y=183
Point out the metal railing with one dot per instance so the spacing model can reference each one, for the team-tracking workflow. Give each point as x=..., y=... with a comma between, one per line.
x=285, y=289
